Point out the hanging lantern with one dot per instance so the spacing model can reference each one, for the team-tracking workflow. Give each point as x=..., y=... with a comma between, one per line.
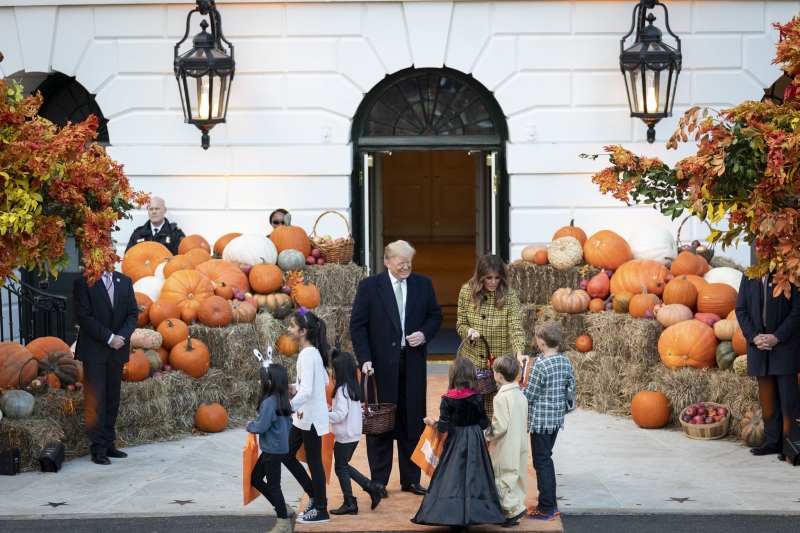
x=205, y=72
x=650, y=67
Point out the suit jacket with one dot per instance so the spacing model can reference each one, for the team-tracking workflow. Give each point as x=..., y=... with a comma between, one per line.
x=376, y=333
x=98, y=320
x=783, y=321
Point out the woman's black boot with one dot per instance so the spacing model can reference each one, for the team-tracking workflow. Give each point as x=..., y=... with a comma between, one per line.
x=350, y=506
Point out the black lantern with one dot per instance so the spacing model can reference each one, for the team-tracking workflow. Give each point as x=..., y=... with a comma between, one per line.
x=650, y=68
x=205, y=72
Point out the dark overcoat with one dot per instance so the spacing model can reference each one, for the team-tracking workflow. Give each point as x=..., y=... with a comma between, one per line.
x=783, y=321
x=98, y=320
x=376, y=333
x=170, y=235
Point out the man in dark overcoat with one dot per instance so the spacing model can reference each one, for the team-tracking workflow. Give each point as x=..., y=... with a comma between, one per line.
x=106, y=313
x=394, y=315
x=771, y=325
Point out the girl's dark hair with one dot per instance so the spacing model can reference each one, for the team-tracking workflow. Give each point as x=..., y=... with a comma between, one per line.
x=344, y=369
x=316, y=332
x=275, y=382
x=462, y=375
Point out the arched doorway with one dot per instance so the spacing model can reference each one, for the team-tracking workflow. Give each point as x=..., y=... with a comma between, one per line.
x=429, y=167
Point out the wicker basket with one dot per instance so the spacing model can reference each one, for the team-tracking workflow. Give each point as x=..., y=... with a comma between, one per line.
x=487, y=386
x=340, y=253
x=708, y=253
x=26, y=385
x=377, y=417
x=717, y=430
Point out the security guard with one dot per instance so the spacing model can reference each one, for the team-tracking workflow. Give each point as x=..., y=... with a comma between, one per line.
x=158, y=228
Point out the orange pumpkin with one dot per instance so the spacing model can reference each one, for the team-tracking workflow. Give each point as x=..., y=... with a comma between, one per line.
x=529, y=252
x=599, y=286
x=223, y=241
x=732, y=316
x=143, y=303
x=570, y=231
x=607, y=250
x=53, y=382
x=190, y=242
x=224, y=290
x=137, y=368
x=596, y=305
x=686, y=264
x=215, y=312
x=242, y=312
x=187, y=289
x=190, y=356
x=650, y=408
x=306, y=295
x=631, y=276
x=164, y=354
x=717, y=298
x=288, y=237
x=739, y=343
x=198, y=256
x=161, y=310
x=178, y=262
x=697, y=281
x=13, y=357
x=266, y=278
x=688, y=343
x=173, y=332
x=540, y=258
x=622, y=301
x=583, y=343
x=680, y=291
x=44, y=346
x=286, y=346
x=220, y=271
x=567, y=300
x=704, y=266
x=143, y=258
x=211, y=418
x=640, y=303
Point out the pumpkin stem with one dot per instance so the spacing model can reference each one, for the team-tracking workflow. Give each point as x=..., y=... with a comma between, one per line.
x=287, y=219
x=644, y=289
x=651, y=387
x=189, y=344
x=572, y=223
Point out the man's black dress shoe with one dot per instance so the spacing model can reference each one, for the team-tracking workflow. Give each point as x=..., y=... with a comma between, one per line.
x=384, y=494
x=100, y=459
x=781, y=457
x=113, y=452
x=764, y=451
x=414, y=488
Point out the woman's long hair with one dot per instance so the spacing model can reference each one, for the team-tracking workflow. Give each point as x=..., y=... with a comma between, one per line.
x=316, y=332
x=462, y=375
x=345, y=373
x=275, y=382
x=489, y=264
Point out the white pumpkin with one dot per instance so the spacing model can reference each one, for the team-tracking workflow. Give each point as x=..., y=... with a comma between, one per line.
x=727, y=275
x=250, y=249
x=149, y=285
x=653, y=243
x=1, y=416
x=159, y=273
x=17, y=404
x=565, y=252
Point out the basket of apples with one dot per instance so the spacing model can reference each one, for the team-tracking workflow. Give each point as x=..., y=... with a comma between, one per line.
x=706, y=421
x=325, y=249
x=697, y=248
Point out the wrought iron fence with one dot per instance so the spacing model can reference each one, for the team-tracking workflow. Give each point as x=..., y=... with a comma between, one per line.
x=27, y=313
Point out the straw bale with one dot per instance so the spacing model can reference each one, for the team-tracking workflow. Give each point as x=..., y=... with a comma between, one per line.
x=684, y=386
x=30, y=436
x=719, y=261
x=738, y=393
x=230, y=347
x=337, y=322
x=536, y=284
x=527, y=315
x=337, y=284
x=573, y=326
x=618, y=334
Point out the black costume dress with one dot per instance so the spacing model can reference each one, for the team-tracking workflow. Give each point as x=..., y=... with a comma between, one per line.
x=462, y=490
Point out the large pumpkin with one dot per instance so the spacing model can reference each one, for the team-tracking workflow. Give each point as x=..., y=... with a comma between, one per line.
x=191, y=356
x=143, y=258
x=220, y=271
x=222, y=242
x=176, y=263
x=688, y=343
x=286, y=346
x=187, y=289
x=242, y=312
x=686, y=263
x=726, y=275
x=631, y=276
x=669, y=315
x=44, y=346
x=570, y=231
x=13, y=357
x=190, y=242
x=211, y=418
x=150, y=285
x=680, y=291
x=173, y=332
x=653, y=243
x=307, y=295
x=643, y=302
x=215, y=312
x=725, y=355
x=143, y=303
x=717, y=298
x=265, y=278
x=198, y=256
x=599, y=286
x=137, y=368
x=697, y=281
x=17, y=404
x=61, y=365
x=251, y=249
x=161, y=311
x=739, y=343
x=288, y=237
x=607, y=250
x=753, y=429
x=650, y=408
x=567, y=300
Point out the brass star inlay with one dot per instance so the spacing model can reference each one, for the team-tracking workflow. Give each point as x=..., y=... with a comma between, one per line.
x=680, y=500
x=54, y=504
x=182, y=502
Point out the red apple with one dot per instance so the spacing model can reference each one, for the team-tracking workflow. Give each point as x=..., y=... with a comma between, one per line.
x=310, y=260
x=316, y=253
x=584, y=283
x=320, y=261
x=246, y=269
x=286, y=289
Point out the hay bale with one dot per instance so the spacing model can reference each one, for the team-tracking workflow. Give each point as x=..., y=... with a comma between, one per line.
x=536, y=284
x=620, y=335
x=30, y=436
x=606, y=384
x=738, y=393
x=527, y=315
x=719, y=261
x=337, y=284
x=683, y=387
x=573, y=325
x=337, y=322
x=231, y=347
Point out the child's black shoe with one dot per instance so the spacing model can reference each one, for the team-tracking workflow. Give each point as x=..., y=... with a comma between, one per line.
x=350, y=506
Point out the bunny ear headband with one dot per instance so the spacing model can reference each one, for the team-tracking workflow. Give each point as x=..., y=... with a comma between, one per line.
x=265, y=361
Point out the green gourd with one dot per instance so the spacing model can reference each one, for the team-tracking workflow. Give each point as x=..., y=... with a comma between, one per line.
x=725, y=355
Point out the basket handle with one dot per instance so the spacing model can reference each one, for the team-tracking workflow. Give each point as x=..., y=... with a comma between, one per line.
x=485, y=343
x=314, y=229
x=22, y=369
x=366, y=396
x=678, y=234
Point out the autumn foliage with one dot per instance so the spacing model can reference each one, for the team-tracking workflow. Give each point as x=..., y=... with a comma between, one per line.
x=746, y=170
x=56, y=183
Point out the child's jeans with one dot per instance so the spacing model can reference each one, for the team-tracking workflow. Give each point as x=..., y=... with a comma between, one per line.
x=342, y=453
x=269, y=466
x=542, y=449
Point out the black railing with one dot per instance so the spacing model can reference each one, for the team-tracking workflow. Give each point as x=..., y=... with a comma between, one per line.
x=27, y=313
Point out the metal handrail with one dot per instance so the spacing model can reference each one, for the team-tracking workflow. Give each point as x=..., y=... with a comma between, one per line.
x=44, y=312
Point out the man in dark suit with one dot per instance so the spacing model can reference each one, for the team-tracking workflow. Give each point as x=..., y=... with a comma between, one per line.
x=106, y=313
x=771, y=325
x=157, y=228
x=394, y=315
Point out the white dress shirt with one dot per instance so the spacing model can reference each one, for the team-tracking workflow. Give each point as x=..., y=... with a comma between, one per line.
x=156, y=230
x=106, y=277
x=404, y=288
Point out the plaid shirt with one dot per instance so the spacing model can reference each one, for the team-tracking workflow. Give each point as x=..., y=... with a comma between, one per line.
x=502, y=328
x=550, y=376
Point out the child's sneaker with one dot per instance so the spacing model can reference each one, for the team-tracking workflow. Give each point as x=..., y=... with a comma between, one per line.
x=315, y=516
x=536, y=514
x=532, y=508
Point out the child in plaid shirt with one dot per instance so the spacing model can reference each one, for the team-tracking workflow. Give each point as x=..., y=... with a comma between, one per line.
x=551, y=376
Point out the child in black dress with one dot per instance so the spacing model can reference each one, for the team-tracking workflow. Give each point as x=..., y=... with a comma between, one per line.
x=462, y=491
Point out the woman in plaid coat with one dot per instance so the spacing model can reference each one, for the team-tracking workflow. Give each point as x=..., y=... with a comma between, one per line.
x=488, y=308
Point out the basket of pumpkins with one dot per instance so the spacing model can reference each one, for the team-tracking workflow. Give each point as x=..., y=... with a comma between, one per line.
x=705, y=421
